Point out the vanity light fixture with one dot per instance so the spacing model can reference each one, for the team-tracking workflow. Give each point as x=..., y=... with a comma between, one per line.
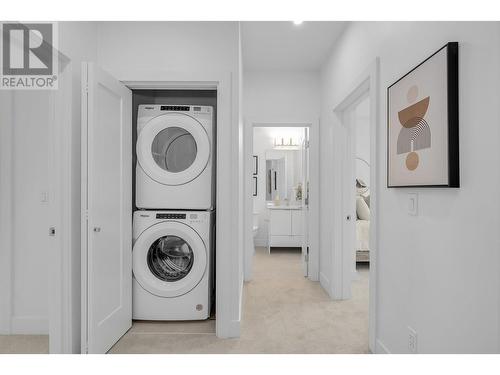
x=282, y=143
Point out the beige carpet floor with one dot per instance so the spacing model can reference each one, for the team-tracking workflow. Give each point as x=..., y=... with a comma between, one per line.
x=283, y=312
x=24, y=344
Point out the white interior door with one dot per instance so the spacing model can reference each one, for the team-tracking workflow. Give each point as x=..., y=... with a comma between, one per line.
x=305, y=203
x=348, y=204
x=106, y=209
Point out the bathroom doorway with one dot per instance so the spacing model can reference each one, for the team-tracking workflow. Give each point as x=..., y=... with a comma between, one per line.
x=281, y=210
x=280, y=190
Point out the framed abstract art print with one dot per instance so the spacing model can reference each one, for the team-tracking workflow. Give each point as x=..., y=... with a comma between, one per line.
x=422, y=124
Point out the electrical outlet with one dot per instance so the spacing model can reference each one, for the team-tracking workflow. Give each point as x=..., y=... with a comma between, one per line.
x=412, y=340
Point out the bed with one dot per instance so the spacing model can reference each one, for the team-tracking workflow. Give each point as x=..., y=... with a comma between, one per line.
x=362, y=228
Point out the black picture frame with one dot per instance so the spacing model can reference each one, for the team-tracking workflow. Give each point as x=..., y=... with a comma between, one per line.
x=254, y=186
x=452, y=116
x=255, y=165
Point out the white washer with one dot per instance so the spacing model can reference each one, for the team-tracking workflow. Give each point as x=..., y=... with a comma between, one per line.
x=175, y=146
x=172, y=265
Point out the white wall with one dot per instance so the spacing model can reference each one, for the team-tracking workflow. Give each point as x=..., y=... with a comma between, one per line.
x=125, y=48
x=26, y=175
x=169, y=46
x=281, y=96
x=263, y=142
x=24, y=223
x=30, y=241
x=438, y=272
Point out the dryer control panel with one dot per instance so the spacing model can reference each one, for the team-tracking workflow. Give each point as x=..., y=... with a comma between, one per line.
x=171, y=216
x=174, y=108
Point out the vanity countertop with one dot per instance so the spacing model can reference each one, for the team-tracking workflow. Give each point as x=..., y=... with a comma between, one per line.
x=284, y=206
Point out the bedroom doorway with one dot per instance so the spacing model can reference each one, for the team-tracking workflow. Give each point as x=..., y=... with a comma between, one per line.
x=361, y=135
x=356, y=169
x=354, y=252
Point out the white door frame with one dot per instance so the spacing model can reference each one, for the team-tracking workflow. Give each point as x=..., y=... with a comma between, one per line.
x=313, y=124
x=227, y=261
x=366, y=84
x=227, y=304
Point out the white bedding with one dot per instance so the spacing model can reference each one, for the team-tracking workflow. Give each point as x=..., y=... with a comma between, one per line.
x=362, y=235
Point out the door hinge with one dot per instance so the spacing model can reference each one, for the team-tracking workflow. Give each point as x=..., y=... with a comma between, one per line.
x=306, y=257
x=52, y=231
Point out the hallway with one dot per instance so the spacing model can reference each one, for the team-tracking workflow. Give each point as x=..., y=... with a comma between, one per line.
x=282, y=313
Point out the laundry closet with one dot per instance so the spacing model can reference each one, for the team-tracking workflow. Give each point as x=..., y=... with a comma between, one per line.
x=150, y=166
x=173, y=161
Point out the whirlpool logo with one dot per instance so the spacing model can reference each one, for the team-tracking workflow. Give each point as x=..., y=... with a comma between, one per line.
x=29, y=58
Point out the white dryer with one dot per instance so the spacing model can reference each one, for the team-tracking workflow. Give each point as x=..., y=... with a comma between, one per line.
x=172, y=265
x=175, y=157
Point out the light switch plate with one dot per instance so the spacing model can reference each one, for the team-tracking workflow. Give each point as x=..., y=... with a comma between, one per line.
x=44, y=196
x=413, y=204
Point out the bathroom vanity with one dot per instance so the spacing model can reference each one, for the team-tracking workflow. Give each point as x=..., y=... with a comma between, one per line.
x=285, y=226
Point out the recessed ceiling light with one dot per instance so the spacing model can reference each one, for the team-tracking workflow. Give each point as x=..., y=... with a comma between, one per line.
x=297, y=22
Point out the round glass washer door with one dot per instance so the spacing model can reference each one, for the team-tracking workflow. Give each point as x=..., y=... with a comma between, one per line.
x=173, y=149
x=169, y=259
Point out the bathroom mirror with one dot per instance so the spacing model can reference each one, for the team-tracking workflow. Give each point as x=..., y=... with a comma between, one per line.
x=283, y=174
x=275, y=179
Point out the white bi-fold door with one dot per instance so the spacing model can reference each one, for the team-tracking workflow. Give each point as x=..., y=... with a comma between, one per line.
x=106, y=209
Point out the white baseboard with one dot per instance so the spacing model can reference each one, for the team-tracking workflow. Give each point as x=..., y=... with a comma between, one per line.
x=29, y=325
x=380, y=348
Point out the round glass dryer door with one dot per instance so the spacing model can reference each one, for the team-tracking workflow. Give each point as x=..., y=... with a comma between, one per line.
x=169, y=259
x=173, y=149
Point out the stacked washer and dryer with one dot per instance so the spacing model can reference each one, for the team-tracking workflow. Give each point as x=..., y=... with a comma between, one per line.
x=173, y=228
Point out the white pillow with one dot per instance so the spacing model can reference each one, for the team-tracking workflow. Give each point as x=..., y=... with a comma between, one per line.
x=362, y=209
x=367, y=199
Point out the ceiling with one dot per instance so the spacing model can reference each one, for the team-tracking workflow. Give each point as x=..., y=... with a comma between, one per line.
x=282, y=45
